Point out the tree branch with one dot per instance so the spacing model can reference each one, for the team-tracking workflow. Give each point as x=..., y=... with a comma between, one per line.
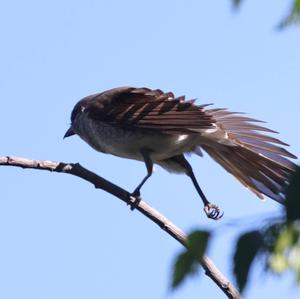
x=77, y=170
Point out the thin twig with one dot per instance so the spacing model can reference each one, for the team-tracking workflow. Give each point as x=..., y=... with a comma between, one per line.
x=77, y=170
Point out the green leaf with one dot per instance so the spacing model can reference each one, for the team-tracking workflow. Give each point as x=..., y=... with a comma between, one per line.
x=288, y=237
x=184, y=266
x=293, y=16
x=294, y=258
x=247, y=247
x=293, y=196
x=284, y=254
x=197, y=243
x=278, y=262
x=187, y=262
x=296, y=262
x=236, y=3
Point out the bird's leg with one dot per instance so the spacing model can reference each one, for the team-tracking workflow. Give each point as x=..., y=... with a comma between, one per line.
x=149, y=165
x=212, y=211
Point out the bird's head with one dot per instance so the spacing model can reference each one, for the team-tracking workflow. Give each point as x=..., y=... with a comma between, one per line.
x=77, y=110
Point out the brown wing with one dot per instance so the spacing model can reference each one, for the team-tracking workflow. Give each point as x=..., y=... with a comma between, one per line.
x=149, y=109
x=258, y=161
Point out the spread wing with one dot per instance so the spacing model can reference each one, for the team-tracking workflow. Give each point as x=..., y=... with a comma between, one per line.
x=149, y=109
x=257, y=160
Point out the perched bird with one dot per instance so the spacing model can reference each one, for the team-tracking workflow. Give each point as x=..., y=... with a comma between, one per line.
x=157, y=127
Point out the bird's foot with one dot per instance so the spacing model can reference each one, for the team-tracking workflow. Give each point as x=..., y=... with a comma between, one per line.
x=212, y=211
x=135, y=197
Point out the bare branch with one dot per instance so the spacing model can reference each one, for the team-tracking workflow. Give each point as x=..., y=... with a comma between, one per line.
x=77, y=170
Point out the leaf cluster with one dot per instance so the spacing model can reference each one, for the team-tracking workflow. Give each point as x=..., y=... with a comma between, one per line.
x=292, y=17
x=277, y=245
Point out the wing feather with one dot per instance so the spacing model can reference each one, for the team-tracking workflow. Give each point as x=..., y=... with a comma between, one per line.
x=256, y=159
x=149, y=109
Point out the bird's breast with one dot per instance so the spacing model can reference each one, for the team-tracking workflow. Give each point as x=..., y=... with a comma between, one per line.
x=128, y=143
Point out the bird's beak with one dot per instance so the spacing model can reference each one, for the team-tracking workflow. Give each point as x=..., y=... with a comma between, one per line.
x=69, y=133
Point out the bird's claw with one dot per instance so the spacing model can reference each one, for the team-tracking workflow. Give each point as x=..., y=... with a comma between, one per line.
x=213, y=212
x=135, y=199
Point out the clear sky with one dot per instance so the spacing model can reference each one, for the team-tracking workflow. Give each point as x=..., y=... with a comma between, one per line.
x=61, y=238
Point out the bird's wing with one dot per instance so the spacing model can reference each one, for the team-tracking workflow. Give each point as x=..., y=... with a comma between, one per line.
x=257, y=160
x=236, y=142
x=149, y=109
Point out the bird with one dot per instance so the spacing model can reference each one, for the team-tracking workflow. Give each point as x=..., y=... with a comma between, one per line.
x=157, y=127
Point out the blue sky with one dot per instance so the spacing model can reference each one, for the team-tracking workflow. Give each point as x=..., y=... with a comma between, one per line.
x=61, y=238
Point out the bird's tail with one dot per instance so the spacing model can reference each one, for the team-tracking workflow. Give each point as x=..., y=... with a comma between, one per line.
x=257, y=160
